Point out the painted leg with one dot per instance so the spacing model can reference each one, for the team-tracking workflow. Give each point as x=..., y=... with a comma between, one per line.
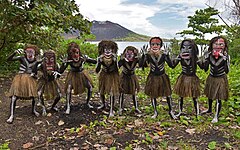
x=154, y=104
x=196, y=106
x=111, y=113
x=89, y=95
x=41, y=102
x=135, y=104
x=218, y=109
x=121, y=98
x=102, y=98
x=57, y=99
x=68, y=99
x=54, y=108
x=169, y=101
x=12, y=109
x=209, y=107
x=180, y=106
x=34, y=108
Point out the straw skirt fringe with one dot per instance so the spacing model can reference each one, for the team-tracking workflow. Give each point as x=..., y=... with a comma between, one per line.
x=216, y=87
x=23, y=86
x=129, y=84
x=109, y=83
x=158, y=86
x=79, y=81
x=187, y=86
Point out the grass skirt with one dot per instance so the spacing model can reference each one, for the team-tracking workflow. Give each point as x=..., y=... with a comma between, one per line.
x=109, y=83
x=23, y=86
x=216, y=87
x=50, y=88
x=187, y=86
x=79, y=81
x=129, y=84
x=158, y=86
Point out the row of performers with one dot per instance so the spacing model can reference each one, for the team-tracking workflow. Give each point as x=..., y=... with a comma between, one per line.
x=26, y=86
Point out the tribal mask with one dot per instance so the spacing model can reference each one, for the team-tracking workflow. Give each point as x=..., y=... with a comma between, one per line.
x=30, y=54
x=107, y=48
x=130, y=53
x=218, y=47
x=186, y=49
x=155, y=46
x=49, y=61
x=75, y=54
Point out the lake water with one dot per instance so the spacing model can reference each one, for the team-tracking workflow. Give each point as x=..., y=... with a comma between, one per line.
x=123, y=45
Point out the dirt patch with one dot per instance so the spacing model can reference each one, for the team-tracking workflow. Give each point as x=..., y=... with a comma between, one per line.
x=88, y=128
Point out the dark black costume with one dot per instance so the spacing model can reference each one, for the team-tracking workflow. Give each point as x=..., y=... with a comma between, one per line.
x=216, y=86
x=128, y=80
x=48, y=84
x=188, y=83
x=24, y=84
x=158, y=83
x=107, y=65
x=77, y=79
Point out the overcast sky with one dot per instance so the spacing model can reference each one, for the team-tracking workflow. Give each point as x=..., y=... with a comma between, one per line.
x=162, y=18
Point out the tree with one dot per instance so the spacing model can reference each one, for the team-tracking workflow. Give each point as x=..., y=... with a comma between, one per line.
x=39, y=22
x=202, y=23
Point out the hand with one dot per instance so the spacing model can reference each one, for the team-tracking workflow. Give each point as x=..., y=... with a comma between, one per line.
x=39, y=59
x=56, y=74
x=178, y=57
x=65, y=59
x=144, y=49
x=166, y=49
x=83, y=58
x=224, y=56
x=19, y=51
x=100, y=59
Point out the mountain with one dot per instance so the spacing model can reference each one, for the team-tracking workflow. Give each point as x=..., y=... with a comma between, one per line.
x=107, y=30
x=113, y=31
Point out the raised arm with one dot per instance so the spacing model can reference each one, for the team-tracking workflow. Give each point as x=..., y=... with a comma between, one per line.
x=12, y=58
x=98, y=66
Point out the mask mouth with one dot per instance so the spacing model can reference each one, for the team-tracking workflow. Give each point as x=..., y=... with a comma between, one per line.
x=185, y=55
x=76, y=59
x=49, y=68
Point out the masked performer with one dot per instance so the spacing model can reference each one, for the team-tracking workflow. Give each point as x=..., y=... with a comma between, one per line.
x=188, y=83
x=217, y=83
x=24, y=84
x=77, y=79
x=108, y=76
x=158, y=83
x=128, y=79
x=48, y=83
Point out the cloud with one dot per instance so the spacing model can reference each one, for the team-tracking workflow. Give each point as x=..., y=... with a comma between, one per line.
x=156, y=18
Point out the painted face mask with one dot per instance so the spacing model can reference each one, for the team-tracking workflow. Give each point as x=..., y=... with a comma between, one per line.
x=108, y=52
x=186, y=50
x=75, y=54
x=155, y=45
x=218, y=48
x=49, y=61
x=30, y=54
x=129, y=55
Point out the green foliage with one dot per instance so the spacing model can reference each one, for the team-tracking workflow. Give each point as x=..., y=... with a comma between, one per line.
x=174, y=46
x=212, y=145
x=86, y=47
x=38, y=22
x=201, y=23
x=4, y=146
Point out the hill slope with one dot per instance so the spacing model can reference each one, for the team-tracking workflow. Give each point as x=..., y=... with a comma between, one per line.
x=107, y=30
